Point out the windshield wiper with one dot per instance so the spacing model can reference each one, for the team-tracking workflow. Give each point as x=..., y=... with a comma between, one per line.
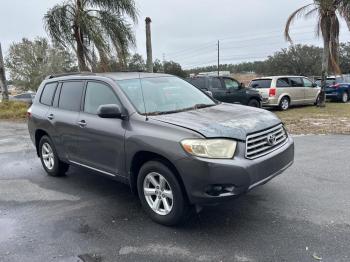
x=196, y=106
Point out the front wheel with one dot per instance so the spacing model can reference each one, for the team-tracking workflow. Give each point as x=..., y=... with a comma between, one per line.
x=161, y=194
x=49, y=158
x=254, y=103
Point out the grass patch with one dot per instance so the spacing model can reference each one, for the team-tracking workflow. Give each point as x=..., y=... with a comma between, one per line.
x=333, y=119
x=13, y=110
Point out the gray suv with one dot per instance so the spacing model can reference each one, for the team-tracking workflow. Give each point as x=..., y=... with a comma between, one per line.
x=174, y=145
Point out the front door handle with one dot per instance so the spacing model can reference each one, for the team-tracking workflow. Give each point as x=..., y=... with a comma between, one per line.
x=82, y=123
x=50, y=117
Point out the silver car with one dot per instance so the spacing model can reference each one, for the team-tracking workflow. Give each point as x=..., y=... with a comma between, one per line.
x=284, y=91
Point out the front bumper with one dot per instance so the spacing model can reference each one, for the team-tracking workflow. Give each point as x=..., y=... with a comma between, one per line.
x=239, y=175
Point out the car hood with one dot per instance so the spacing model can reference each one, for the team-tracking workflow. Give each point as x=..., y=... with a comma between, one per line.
x=223, y=120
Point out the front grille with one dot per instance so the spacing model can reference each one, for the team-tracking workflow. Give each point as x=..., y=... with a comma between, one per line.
x=262, y=143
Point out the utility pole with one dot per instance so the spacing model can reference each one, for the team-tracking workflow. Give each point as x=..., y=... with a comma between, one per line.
x=218, y=57
x=149, y=45
x=3, y=84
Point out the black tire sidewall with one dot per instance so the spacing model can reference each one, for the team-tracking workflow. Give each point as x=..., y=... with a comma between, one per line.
x=55, y=171
x=254, y=103
x=179, y=209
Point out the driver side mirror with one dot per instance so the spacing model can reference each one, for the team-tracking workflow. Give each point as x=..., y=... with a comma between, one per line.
x=109, y=111
x=314, y=85
x=242, y=85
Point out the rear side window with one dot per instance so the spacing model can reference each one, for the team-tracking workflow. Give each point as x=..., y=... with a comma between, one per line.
x=198, y=82
x=260, y=83
x=307, y=83
x=47, y=94
x=70, y=97
x=296, y=82
x=283, y=82
x=98, y=94
x=215, y=83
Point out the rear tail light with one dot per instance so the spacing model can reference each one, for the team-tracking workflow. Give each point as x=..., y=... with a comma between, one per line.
x=29, y=113
x=272, y=91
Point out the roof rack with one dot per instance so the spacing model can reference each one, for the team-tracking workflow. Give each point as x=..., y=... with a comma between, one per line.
x=69, y=74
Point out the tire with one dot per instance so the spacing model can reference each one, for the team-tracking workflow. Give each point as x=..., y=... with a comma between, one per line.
x=344, y=97
x=172, y=211
x=254, y=103
x=49, y=158
x=284, y=103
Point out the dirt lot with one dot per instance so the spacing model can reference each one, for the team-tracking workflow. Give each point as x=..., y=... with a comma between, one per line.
x=333, y=119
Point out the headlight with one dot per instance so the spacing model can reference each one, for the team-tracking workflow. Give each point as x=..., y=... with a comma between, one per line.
x=210, y=148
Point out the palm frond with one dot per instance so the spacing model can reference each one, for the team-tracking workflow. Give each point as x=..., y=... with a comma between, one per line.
x=58, y=23
x=299, y=12
x=120, y=7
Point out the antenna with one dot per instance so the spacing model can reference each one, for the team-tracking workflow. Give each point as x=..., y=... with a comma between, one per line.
x=143, y=97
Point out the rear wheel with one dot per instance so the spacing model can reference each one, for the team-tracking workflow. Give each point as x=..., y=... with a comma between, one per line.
x=284, y=103
x=161, y=194
x=345, y=97
x=254, y=103
x=49, y=158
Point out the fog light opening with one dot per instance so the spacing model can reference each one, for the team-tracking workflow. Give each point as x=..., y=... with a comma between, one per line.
x=220, y=190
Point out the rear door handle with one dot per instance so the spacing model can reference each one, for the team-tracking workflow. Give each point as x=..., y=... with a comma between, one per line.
x=82, y=123
x=50, y=117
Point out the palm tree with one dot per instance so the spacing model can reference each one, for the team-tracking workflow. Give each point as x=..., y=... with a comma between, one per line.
x=327, y=12
x=93, y=27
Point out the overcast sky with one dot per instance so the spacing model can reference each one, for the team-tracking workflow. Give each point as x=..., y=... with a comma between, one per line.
x=187, y=30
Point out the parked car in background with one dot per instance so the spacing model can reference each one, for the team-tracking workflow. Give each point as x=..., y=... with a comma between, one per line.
x=284, y=91
x=24, y=97
x=227, y=89
x=175, y=146
x=337, y=88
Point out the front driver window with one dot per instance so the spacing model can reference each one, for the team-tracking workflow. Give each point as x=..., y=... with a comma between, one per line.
x=98, y=94
x=231, y=84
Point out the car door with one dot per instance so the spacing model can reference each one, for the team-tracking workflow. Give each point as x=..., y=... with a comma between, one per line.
x=311, y=92
x=101, y=140
x=217, y=89
x=297, y=90
x=234, y=92
x=63, y=117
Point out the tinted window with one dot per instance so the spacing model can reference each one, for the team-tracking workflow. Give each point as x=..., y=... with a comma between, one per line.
x=296, y=82
x=307, y=83
x=231, y=84
x=47, y=94
x=98, y=94
x=260, y=83
x=70, y=97
x=198, y=82
x=164, y=95
x=215, y=83
x=283, y=82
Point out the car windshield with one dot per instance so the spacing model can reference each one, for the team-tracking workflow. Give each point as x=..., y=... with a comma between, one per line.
x=164, y=95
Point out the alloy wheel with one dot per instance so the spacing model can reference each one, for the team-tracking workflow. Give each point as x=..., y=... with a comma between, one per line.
x=285, y=104
x=345, y=97
x=158, y=193
x=48, y=156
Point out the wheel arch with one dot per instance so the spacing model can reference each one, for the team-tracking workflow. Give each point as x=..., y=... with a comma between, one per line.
x=142, y=157
x=39, y=133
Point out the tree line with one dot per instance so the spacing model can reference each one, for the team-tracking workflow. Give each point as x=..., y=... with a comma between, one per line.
x=295, y=60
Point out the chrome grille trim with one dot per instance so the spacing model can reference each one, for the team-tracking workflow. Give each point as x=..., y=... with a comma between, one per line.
x=257, y=144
